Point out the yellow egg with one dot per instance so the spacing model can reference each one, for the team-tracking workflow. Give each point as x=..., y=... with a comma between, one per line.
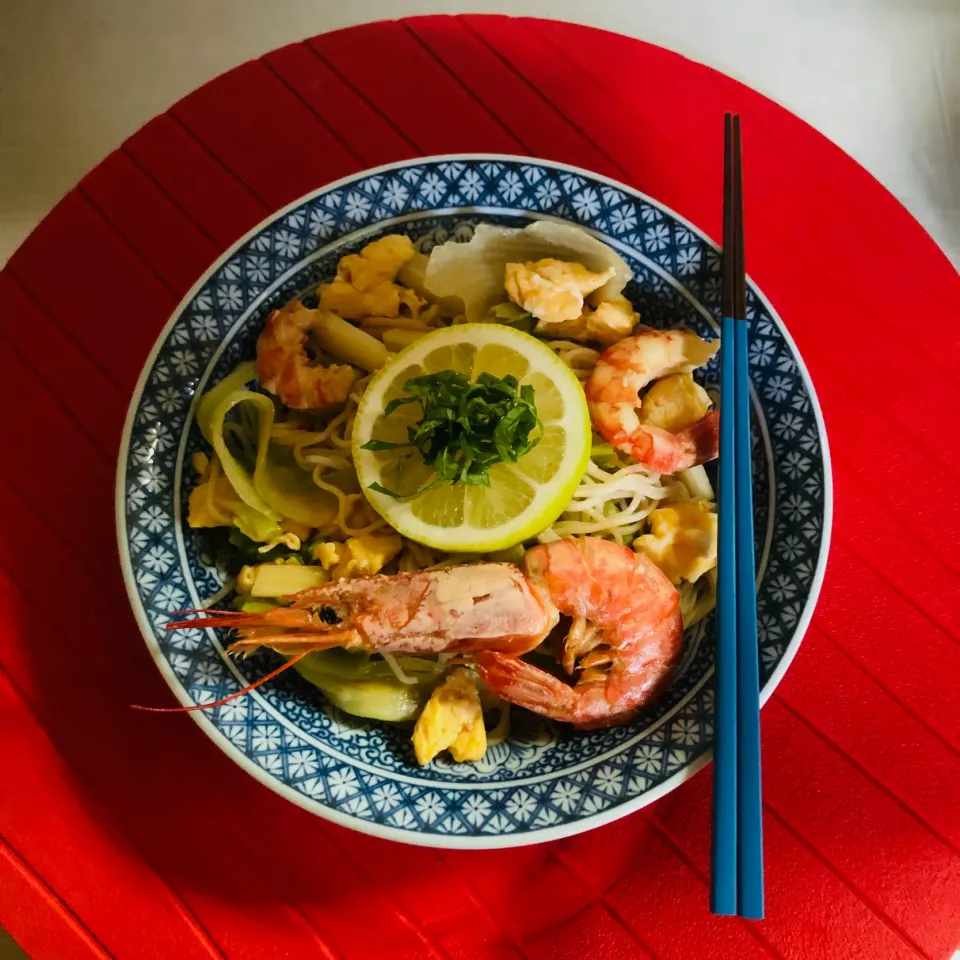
x=328, y=553
x=452, y=720
x=201, y=464
x=358, y=556
x=349, y=303
x=612, y=320
x=365, y=282
x=552, y=290
x=682, y=540
x=391, y=251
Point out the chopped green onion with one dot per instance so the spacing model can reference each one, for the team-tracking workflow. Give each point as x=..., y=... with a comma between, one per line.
x=465, y=428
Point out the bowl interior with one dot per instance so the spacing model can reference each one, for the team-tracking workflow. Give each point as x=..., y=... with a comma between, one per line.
x=545, y=778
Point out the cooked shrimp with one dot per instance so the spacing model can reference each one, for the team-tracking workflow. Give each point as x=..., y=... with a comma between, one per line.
x=468, y=608
x=625, y=641
x=613, y=395
x=284, y=368
x=552, y=290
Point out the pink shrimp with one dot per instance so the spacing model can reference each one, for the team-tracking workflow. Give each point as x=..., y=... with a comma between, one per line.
x=613, y=395
x=284, y=368
x=467, y=608
x=625, y=640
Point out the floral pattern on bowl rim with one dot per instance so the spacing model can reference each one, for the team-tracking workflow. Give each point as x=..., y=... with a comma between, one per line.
x=545, y=782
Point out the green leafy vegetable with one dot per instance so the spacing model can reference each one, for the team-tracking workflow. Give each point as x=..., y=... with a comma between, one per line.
x=465, y=428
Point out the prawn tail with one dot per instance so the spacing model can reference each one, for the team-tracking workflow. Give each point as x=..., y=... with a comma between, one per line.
x=702, y=440
x=525, y=685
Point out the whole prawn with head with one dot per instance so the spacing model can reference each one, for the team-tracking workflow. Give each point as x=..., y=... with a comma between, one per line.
x=617, y=410
x=625, y=640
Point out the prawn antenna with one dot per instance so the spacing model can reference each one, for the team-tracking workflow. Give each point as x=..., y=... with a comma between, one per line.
x=233, y=696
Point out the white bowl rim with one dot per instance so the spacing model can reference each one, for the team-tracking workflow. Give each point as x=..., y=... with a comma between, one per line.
x=444, y=841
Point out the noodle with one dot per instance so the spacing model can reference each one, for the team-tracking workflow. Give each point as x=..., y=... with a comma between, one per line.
x=614, y=498
x=327, y=450
x=454, y=560
x=422, y=556
x=614, y=502
x=345, y=503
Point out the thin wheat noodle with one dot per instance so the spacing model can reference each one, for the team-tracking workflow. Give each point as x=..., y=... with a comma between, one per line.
x=345, y=502
x=330, y=461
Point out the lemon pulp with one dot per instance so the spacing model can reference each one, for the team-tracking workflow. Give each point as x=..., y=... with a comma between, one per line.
x=523, y=498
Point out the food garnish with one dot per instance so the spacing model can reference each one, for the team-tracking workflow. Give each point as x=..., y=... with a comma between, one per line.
x=465, y=427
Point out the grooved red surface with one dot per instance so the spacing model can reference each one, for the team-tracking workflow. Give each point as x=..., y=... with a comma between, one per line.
x=124, y=835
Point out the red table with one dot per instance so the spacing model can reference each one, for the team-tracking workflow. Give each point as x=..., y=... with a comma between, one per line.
x=128, y=836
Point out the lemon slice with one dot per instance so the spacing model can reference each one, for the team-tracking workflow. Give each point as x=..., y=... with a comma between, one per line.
x=523, y=498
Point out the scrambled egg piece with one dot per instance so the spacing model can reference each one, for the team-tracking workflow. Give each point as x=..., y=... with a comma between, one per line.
x=552, y=290
x=377, y=262
x=365, y=283
x=674, y=403
x=358, y=556
x=611, y=321
x=682, y=540
x=359, y=515
x=452, y=720
x=349, y=303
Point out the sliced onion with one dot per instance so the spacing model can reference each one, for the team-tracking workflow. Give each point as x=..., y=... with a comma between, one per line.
x=475, y=271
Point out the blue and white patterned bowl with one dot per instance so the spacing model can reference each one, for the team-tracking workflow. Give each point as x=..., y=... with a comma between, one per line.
x=546, y=782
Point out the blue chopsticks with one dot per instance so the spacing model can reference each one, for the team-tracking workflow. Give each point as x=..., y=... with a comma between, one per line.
x=736, y=886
